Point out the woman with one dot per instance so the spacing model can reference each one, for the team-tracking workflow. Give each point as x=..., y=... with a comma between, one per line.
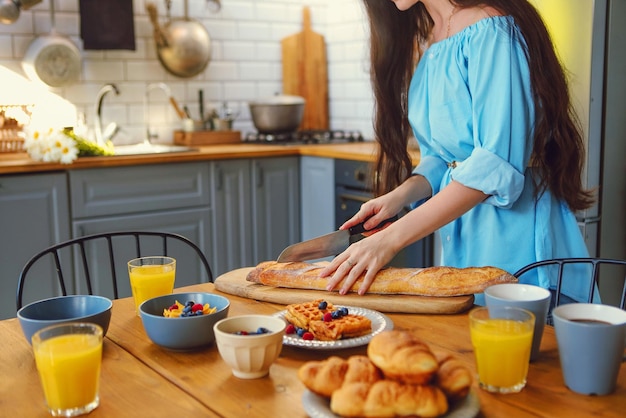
x=501, y=149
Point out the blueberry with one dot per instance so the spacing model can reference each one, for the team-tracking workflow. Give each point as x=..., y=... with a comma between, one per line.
x=335, y=315
x=344, y=310
x=323, y=305
x=262, y=330
x=190, y=303
x=300, y=332
x=198, y=313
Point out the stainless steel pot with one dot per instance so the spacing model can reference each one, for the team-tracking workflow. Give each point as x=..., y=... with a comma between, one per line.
x=183, y=44
x=52, y=59
x=277, y=114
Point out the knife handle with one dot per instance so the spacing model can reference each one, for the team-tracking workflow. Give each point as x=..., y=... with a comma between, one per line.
x=359, y=229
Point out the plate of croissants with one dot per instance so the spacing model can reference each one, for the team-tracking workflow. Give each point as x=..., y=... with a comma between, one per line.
x=399, y=376
x=331, y=327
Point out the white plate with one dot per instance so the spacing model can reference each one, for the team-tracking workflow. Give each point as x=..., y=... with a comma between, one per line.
x=380, y=323
x=319, y=407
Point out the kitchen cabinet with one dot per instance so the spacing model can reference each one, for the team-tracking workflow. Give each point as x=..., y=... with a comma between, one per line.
x=34, y=214
x=317, y=182
x=256, y=210
x=162, y=197
x=276, y=202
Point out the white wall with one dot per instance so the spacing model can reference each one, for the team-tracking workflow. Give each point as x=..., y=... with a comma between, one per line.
x=246, y=61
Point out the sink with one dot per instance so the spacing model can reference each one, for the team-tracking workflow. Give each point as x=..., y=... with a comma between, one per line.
x=147, y=148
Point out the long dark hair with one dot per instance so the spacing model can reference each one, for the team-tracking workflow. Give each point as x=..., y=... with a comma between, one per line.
x=558, y=145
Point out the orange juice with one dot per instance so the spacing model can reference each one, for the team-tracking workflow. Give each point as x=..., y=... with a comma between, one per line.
x=69, y=368
x=502, y=348
x=151, y=280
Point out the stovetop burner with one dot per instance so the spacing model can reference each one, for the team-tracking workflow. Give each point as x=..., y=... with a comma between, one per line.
x=306, y=137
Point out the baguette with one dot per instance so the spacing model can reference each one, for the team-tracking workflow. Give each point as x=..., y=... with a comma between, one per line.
x=431, y=281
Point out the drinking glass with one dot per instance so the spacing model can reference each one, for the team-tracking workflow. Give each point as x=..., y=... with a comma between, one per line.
x=68, y=358
x=151, y=277
x=502, y=338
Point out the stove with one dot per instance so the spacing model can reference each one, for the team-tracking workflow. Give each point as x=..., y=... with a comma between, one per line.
x=305, y=137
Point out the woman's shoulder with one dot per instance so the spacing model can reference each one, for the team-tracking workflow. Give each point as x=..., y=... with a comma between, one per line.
x=467, y=17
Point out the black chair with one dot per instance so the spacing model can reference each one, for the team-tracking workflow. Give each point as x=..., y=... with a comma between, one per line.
x=81, y=265
x=593, y=264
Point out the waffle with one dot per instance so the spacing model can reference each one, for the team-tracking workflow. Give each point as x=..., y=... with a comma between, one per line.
x=348, y=326
x=301, y=314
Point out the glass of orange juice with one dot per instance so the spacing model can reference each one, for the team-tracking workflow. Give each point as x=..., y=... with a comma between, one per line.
x=502, y=338
x=150, y=277
x=68, y=358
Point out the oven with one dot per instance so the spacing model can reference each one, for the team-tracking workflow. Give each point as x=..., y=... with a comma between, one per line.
x=352, y=189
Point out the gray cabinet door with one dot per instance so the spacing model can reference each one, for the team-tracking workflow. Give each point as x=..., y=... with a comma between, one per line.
x=276, y=210
x=232, y=219
x=192, y=223
x=317, y=179
x=34, y=214
x=135, y=189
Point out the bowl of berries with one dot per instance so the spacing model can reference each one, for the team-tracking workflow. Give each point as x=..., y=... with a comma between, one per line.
x=250, y=344
x=183, y=321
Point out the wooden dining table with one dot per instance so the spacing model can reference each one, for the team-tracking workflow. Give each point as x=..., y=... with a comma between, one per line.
x=140, y=379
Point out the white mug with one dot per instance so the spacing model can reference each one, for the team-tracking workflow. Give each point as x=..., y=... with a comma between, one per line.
x=526, y=296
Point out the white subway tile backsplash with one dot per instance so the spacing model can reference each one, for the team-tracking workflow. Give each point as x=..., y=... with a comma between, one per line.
x=246, y=60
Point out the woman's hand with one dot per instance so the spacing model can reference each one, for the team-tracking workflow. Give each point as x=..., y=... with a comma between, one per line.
x=368, y=255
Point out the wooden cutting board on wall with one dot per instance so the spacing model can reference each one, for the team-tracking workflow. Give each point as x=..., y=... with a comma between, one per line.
x=305, y=73
x=234, y=283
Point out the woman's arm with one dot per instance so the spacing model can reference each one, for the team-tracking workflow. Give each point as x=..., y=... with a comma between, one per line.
x=374, y=252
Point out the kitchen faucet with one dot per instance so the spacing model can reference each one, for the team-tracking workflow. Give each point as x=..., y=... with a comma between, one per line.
x=146, y=107
x=112, y=128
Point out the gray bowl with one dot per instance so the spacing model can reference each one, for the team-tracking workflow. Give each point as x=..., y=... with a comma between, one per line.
x=63, y=309
x=182, y=334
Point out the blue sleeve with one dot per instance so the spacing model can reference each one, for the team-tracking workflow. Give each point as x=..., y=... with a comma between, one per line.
x=502, y=115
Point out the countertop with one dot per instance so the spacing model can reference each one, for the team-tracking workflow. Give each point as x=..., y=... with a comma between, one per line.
x=20, y=163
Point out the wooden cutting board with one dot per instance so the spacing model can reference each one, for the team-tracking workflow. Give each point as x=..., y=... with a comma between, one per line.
x=235, y=283
x=305, y=73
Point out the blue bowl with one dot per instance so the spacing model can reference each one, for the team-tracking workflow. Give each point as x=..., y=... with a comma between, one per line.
x=63, y=309
x=182, y=334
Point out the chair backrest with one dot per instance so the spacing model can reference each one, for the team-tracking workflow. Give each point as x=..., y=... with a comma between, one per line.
x=92, y=264
x=593, y=267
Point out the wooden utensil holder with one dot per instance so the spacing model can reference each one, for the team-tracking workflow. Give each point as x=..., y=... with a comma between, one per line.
x=206, y=137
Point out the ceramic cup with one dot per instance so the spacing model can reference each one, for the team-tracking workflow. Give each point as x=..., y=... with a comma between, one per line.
x=533, y=298
x=591, y=339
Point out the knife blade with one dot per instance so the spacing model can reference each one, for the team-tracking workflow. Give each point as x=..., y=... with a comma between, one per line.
x=325, y=245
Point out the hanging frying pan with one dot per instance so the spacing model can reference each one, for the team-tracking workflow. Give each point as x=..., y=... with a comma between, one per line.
x=183, y=44
x=52, y=59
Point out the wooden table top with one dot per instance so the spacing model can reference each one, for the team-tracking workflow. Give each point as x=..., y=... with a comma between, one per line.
x=141, y=379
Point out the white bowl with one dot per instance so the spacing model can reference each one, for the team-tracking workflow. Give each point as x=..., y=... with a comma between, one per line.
x=249, y=356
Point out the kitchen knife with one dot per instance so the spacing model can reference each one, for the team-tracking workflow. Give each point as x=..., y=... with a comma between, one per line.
x=325, y=245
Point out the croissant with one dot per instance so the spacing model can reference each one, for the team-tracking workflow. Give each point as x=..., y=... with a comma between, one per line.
x=402, y=356
x=326, y=376
x=388, y=398
x=452, y=377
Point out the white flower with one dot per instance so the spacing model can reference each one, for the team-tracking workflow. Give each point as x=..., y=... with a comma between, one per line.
x=50, y=145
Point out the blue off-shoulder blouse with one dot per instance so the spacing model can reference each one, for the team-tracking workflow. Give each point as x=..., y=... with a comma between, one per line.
x=472, y=113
